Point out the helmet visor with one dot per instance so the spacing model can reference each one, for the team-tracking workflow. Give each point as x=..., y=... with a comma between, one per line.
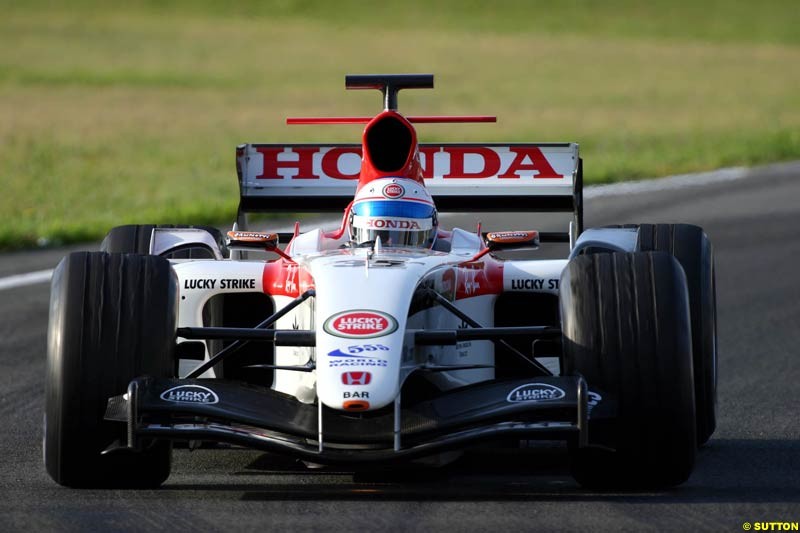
x=393, y=231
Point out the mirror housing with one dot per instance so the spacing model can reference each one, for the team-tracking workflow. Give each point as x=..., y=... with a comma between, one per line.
x=253, y=239
x=512, y=240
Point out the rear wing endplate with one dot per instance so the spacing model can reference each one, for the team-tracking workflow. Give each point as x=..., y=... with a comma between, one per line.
x=460, y=177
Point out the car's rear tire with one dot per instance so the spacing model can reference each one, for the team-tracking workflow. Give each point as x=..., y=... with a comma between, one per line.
x=626, y=330
x=135, y=239
x=112, y=318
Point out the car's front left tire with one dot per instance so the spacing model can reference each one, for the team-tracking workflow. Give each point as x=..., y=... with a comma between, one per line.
x=626, y=329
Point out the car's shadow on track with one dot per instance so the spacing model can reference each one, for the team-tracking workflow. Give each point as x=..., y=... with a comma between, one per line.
x=728, y=470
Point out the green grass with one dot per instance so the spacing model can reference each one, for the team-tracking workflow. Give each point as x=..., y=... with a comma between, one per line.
x=131, y=113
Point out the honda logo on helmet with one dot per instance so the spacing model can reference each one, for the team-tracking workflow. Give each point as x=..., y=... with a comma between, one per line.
x=356, y=378
x=389, y=223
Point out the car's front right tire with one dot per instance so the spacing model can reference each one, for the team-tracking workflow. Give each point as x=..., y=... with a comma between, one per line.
x=135, y=239
x=113, y=317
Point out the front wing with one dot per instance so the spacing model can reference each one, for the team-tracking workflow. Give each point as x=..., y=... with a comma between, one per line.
x=552, y=408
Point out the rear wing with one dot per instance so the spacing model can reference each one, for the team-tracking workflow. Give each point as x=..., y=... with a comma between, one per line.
x=460, y=177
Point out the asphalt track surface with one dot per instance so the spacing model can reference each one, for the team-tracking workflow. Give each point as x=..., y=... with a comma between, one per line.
x=749, y=472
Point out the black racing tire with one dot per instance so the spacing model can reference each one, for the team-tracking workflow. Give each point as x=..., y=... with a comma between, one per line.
x=113, y=317
x=135, y=239
x=626, y=330
x=692, y=248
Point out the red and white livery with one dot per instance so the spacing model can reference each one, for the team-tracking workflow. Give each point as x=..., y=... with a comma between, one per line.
x=390, y=337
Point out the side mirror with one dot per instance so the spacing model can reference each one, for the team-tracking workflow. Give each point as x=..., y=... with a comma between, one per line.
x=512, y=240
x=253, y=239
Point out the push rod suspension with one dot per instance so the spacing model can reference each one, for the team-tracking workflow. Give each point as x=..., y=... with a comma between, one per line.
x=239, y=344
x=444, y=302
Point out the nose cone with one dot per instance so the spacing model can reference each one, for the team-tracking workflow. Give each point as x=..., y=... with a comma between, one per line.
x=390, y=149
x=361, y=318
x=358, y=359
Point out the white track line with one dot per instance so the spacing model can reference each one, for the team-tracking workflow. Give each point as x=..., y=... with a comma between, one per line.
x=593, y=191
x=22, y=280
x=680, y=181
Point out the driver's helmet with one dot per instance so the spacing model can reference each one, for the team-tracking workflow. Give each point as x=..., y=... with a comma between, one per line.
x=398, y=210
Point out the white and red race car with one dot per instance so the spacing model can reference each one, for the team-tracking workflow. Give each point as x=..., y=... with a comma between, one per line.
x=389, y=338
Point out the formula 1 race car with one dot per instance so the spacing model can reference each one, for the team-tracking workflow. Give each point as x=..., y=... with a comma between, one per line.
x=390, y=338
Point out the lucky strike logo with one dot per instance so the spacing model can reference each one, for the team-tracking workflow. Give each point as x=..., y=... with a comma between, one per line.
x=535, y=392
x=360, y=324
x=393, y=190
x=190, y=394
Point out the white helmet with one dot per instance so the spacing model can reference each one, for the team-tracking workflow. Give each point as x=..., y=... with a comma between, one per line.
x=398, y=210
